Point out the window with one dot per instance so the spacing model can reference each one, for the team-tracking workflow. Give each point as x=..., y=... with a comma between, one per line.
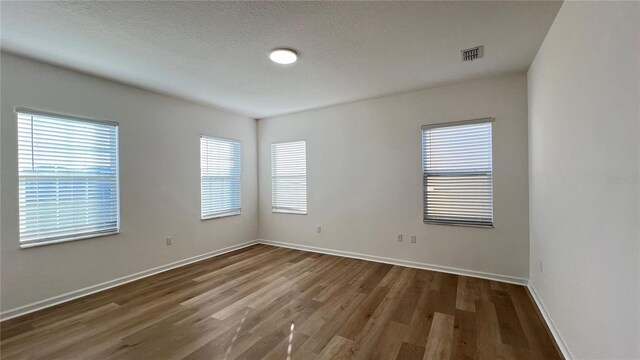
x=68, y=178
x=457, y=173
x=219, y=177
x=289, y=177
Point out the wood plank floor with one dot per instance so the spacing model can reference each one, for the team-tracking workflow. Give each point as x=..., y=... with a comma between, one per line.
x=266, y=302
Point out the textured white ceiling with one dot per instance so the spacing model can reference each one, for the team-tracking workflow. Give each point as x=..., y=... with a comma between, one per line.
x=217, y=52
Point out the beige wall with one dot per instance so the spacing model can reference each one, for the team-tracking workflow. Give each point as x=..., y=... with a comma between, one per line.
x=365, y=184
x=584, y=138
x=159, y=180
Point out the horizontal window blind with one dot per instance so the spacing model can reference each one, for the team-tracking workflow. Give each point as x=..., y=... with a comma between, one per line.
x=457, y=173
x=289, y=177
x=219, y=177
x=68, y=178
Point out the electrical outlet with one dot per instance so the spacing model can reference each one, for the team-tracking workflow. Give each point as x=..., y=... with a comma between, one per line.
x=540, y=265
x=169, y=240
x=400, y=237
x=413, y=239
x=318, y=229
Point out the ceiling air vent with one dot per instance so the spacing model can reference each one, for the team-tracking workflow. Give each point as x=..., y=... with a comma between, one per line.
x=473, y=53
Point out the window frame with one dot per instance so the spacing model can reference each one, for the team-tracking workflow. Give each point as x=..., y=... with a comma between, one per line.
x=64, y=239
x=306, y=159
x=226, y=214
x=425, y=220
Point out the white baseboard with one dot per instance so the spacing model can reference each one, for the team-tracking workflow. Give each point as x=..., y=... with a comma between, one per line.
x=552, y=327
x=411, y=264
x=43, y=304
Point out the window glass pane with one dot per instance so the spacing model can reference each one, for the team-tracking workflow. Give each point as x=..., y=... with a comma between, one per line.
x=457, y=171
x=289, y=177
x=68, y=178
x=219, y=177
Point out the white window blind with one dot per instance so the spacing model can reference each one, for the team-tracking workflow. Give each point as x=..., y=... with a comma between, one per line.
x=219, y=177
x=457, y=173
x=68, y=178
x=289, y=177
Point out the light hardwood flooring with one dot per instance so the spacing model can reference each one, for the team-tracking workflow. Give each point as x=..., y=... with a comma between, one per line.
x=265, y=302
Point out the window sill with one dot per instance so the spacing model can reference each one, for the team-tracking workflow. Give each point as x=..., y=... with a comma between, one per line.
x=436, y=222
x=76, y=238
x=292, y=212
x=220, y=216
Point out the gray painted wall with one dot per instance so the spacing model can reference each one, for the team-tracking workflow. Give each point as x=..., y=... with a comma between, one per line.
x=584, y=131
x=159, y=181
x=365, y=183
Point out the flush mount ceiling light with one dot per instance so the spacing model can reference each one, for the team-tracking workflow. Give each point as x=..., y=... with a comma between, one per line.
x=283, y=56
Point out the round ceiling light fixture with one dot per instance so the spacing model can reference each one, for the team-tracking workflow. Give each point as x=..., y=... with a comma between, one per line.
x=283, y=56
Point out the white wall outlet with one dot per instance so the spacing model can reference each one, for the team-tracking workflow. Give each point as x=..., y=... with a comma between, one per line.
x=399, y=237
x=318, y=229
x=413, y=239
x=540, y=265
x=169, y=240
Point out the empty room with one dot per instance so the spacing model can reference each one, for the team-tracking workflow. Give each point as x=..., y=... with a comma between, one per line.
x=319, y=180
